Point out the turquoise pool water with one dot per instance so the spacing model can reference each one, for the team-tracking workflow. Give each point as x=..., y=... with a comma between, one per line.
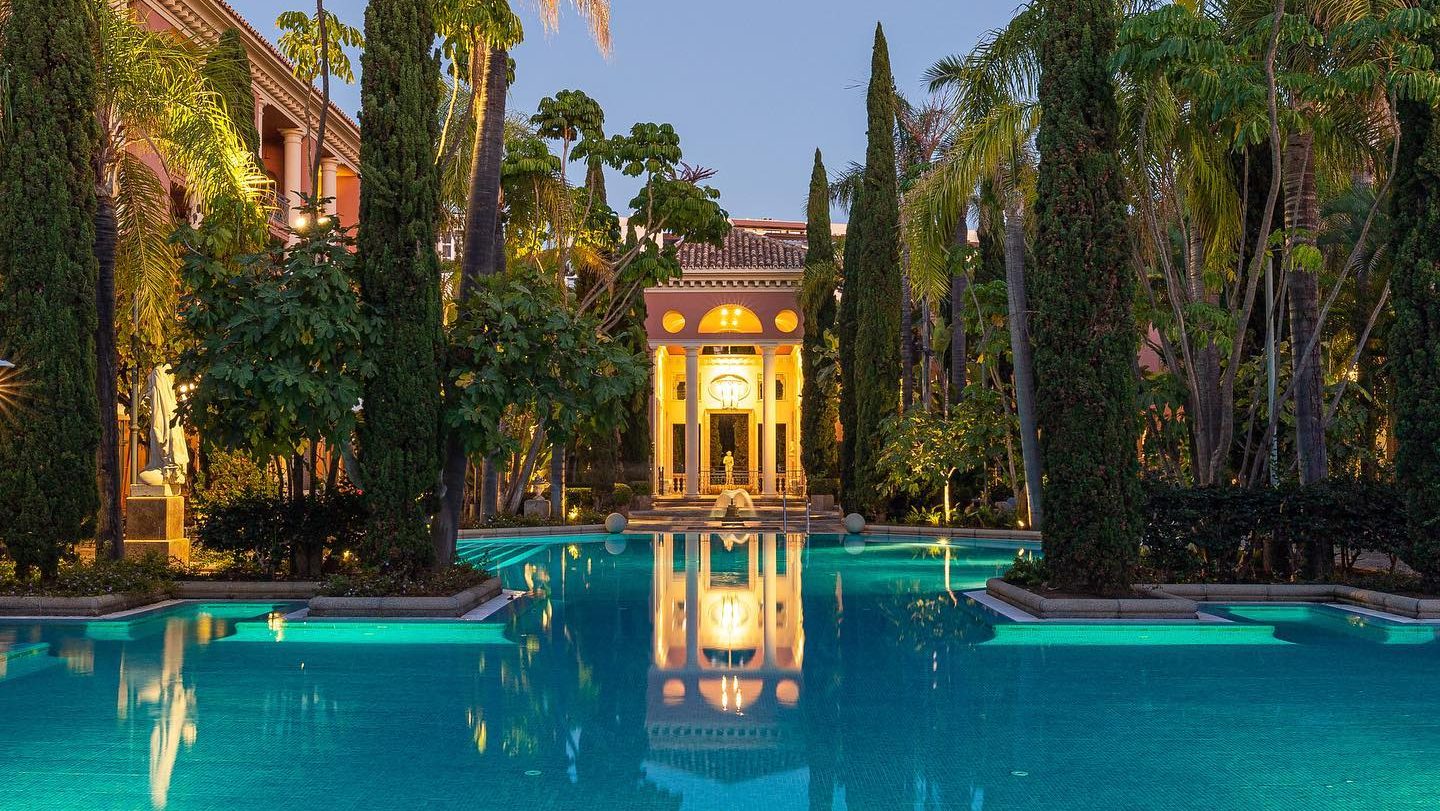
x=816, y=675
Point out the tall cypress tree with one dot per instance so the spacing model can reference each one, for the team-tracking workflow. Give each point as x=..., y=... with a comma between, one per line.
x=1415, y=335
x=1082, y=291
x=818, y=453
x=872, y=285
x=400, y=277
x=48, y=277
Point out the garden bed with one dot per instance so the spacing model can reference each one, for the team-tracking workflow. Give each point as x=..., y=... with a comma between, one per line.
x=451, y=606
x=84, y=606
x=1144, y=605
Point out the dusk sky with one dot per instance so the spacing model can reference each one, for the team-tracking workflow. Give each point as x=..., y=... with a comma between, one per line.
x=751, y=86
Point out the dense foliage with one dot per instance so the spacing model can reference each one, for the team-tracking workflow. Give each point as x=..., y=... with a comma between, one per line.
x=48, y=276
x=1415, y=335
x=276, y=341
x=1221, y=534
x=269, y=536
x=819, y=452
x=870, y=321
x=1081, y=291
x=400, y=280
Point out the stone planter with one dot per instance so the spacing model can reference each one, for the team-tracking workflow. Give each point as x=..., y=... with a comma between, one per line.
x=246, y=590
x=642, y=504
x=822, y=504
x=1168, y=607
x=391, y=607
x=1410, y=607
x=96, y=606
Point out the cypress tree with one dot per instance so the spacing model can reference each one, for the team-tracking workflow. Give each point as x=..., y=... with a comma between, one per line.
x=1415, y=335
x=818, y=452
x=400, y=278
x=48, y=278
x=872, y=271
x=1082, y=291
x=227, y=68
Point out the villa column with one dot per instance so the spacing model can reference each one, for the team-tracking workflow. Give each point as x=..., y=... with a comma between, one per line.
x=692, y=420
x=294, y=171
x=657, y=421
x=767, y=399
x=328, y=169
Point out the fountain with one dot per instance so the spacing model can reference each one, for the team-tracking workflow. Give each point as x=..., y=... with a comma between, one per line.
x=733, y=505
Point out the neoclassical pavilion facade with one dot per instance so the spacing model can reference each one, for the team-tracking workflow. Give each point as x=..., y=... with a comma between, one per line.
x=725, y=347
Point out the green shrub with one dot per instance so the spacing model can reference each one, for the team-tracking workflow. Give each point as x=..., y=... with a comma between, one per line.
x=581, y=497
x=1028, y=571
x=369, y=583
x=622, y=496
x=641, y=488
x=229, y=476
x=148, y=575
x=824, y=487
x=279, y=536
x=1220, y=533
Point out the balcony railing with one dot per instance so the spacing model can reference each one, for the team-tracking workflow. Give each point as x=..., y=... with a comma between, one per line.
x=714, y=482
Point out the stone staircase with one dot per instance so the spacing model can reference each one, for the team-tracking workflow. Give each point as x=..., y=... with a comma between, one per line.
x=770, y=511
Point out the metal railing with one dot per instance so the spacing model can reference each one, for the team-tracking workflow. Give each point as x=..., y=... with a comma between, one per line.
x=715, y=481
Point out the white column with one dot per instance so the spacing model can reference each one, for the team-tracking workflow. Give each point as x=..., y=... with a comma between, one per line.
x=260, y=128
x=767, y=399
x=657, y=418
x=328, y=168
x=294, y=171
x=692, y=420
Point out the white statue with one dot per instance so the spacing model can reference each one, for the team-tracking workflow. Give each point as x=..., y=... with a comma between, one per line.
x=169, y=455
x=729, y=463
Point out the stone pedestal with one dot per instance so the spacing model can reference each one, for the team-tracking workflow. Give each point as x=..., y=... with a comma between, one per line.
x=156, y=524
x=536, y=508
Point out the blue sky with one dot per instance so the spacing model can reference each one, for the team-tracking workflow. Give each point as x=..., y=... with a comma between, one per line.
x=752, y=86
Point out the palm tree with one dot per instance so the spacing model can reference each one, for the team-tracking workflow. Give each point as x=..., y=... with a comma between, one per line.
x=998, y=116
x=154, y=95
x=315, y=45
x=480, y=33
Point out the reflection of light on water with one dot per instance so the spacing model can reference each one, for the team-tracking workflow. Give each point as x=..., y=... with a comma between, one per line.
x=475, y=717
x=79, y=655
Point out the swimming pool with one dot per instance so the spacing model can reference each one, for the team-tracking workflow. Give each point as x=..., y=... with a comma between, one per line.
x=820, y=674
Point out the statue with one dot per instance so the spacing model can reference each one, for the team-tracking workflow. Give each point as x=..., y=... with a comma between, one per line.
x=729, y=469
x=169, y=455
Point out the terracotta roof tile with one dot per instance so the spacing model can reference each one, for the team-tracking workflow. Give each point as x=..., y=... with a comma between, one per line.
x=742, y=249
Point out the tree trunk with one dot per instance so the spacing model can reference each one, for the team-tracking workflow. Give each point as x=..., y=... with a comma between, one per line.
x=324, y=99
x=907, y=336
x=1024, y=369
x=959, y=290
x=481, y=249
x=557, y=481
x=110, y=534
x=1303, y=212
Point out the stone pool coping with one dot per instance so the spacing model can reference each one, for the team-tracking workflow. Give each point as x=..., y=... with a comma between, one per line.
x=1409, y=607
x=1163, y=606
x=246, y=589
x=453, y=606
x=1014, y=535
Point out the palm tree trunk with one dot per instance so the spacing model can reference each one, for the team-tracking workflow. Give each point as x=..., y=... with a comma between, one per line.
x=959, y=288
x=907, y=335
x=927, y=351
x=1024, y=370
x=110, y=533
x=1303, y=210
x=482, y=230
